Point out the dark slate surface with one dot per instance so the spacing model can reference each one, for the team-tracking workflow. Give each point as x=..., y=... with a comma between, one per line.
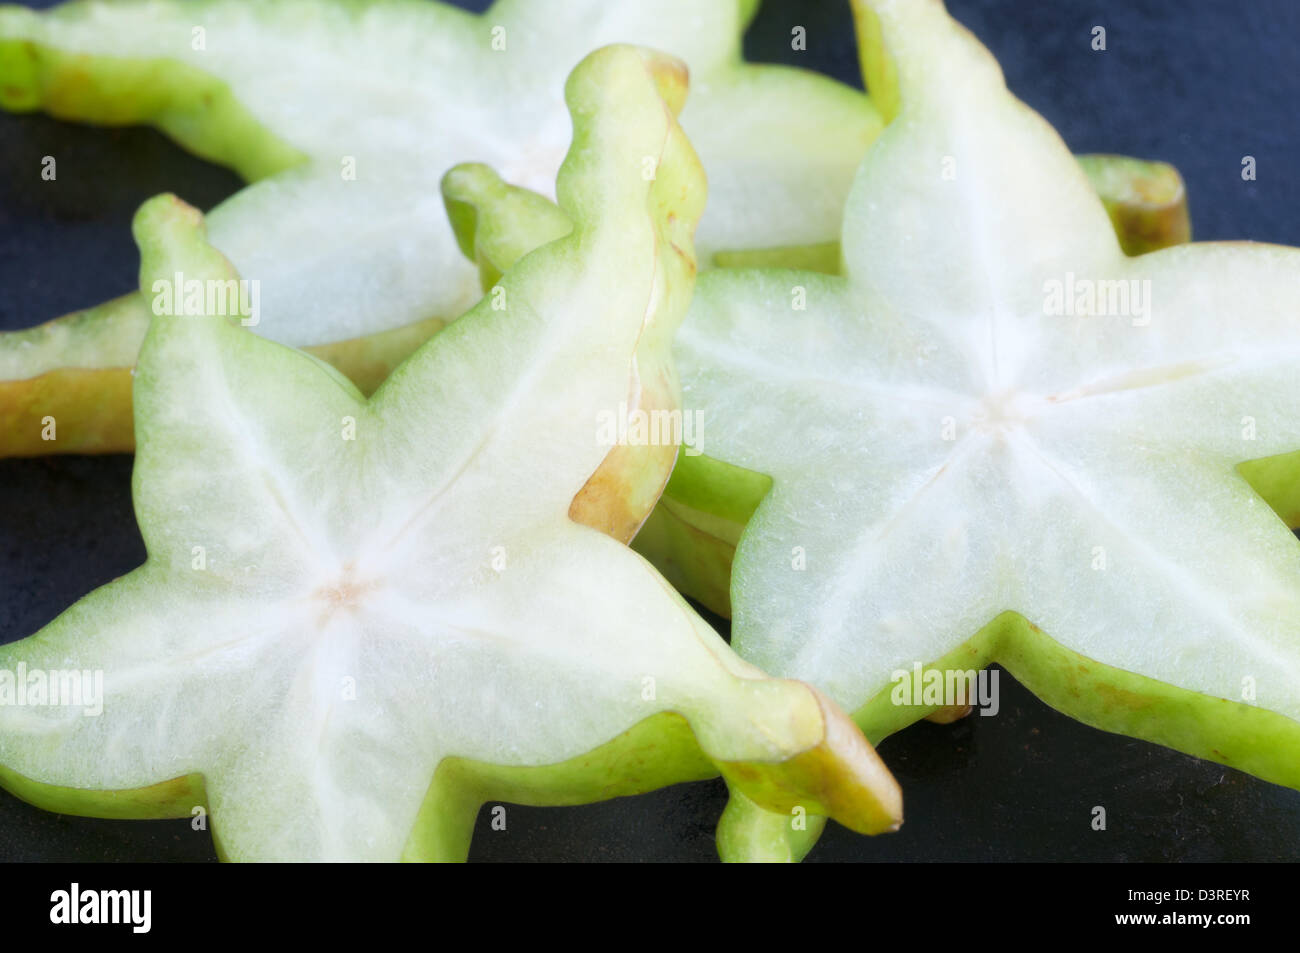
x=1195, y=82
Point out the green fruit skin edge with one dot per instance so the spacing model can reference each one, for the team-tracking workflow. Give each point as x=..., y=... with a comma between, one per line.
x=1236, y=734
x=691, y=535
x=90, y=398
x=659, y=751
x=190, y=106
x=1146, y=201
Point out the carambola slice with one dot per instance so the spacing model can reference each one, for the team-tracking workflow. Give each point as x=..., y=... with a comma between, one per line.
x=998, y=438
x=359, y=619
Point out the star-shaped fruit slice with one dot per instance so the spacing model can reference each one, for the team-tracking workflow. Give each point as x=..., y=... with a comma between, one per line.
x=360, y=619
x=1000, y=439
x=343, y=117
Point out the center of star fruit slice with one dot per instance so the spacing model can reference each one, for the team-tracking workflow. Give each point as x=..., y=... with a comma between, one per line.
x=360, y=619
x=343, y=117
x=999, y=439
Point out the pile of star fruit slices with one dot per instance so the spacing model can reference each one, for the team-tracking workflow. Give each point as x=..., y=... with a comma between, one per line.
x=394, y=617
x=350, y=114
x=93, y=341
x=997, y=438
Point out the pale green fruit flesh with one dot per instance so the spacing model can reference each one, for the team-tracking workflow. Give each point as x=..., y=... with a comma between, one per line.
x=951, y=460
x=691, y=535
x=345, y=116
x=358, y=619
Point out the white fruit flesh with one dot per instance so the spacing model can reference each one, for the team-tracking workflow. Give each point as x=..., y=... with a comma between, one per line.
x=945, y=447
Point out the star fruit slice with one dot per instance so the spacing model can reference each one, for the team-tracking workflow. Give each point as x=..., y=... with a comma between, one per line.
x=692, y=532
x=343, y=117
x=360, y=619
x=973, y=450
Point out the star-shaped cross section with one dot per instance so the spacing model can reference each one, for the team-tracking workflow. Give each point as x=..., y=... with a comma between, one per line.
x=360, y=619
x=999, y=439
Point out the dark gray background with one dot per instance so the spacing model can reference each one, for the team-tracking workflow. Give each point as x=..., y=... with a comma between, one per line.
x=1195, y=82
